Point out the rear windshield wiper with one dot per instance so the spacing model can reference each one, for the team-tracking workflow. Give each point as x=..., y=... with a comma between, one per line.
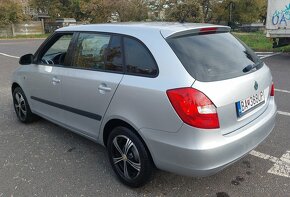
x=252, y=66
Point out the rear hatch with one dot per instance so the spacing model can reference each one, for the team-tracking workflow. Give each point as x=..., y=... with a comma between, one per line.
x=227, y=71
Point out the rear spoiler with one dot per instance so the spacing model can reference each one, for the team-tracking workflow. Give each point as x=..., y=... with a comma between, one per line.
x=194, y=30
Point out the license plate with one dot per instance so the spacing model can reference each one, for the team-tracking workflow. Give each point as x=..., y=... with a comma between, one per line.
x=245, y=105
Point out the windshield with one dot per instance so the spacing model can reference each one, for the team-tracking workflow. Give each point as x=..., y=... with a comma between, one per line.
x=213, y=57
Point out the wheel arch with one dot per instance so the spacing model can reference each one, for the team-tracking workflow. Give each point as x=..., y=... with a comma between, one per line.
x=111, y=124
x=14, y=85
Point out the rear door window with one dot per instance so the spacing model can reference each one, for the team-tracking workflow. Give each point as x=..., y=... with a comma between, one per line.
x=213, y=57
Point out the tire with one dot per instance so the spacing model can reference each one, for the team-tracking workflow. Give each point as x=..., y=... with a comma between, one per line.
x=21, y=106
x=127, y=151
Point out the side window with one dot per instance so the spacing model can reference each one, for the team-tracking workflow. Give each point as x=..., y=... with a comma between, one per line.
x=114, y=59
x=138, y=59
x=91, y=51
x=56, y=53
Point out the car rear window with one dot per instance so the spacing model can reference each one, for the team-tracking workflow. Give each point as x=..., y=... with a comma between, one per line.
x=213, y=57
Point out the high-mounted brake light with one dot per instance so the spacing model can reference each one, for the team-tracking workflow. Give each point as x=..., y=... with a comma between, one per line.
x=194, y=108
x=272, y=93
x=208, y=29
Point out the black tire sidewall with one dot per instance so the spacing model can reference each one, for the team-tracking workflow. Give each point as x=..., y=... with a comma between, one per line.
x=145, y=159
x=29, y=115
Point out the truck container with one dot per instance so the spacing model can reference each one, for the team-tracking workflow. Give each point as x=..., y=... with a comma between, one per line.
x=278, y=22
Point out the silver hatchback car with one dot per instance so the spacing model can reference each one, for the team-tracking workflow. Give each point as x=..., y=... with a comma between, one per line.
x=186, y=98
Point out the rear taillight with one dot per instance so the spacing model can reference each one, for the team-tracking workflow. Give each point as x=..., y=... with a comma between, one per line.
x=194, y=108
x=272, y=93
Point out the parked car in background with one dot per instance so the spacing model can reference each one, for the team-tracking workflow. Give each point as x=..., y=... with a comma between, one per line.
x=187, y=98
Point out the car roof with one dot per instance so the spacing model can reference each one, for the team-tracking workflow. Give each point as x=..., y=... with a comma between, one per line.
x=167, y=29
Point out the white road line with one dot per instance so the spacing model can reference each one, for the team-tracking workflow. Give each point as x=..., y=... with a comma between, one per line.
x=266, y=56
x=264, y=52
x=4, y=54
x=264, y=156
x=279, y=90
x=263, y=55
x=281, y=165
x=283, y=113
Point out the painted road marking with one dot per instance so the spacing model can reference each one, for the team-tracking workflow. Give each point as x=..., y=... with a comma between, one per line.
x=265, y=52
x=12, y=43
x=4, y=54
x=283, y=113
x=281, y=165
x=263, y=55
x=285, y=91
x=266, y=55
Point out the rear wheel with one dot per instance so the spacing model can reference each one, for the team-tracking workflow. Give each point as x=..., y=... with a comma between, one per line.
x=21, y=106
x=129, y=158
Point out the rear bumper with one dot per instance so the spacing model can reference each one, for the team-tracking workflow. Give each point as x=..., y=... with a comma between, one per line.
x=194, y=152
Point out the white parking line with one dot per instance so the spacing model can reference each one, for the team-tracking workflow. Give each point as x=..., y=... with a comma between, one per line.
x=283, y=113
x=4, y=54
x=266, y=56
x=264, y=156
x=265, y=52
x=281, y=165
x=263, y=55
x=285, y=91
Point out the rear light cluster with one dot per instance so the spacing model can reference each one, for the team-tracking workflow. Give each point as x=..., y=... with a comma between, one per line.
x=272, y=93
x=194, y=108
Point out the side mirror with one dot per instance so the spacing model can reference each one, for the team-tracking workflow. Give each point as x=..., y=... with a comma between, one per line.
x=26, y=59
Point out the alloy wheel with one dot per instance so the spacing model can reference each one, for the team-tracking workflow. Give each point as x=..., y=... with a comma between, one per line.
x=20, y=106
x=126, y=157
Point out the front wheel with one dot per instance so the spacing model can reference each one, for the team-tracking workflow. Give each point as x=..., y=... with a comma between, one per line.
x=129, y=158
x=21, y=106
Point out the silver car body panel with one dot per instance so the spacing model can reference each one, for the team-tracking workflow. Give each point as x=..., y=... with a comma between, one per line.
x=142, y=102
x=39, y=83
x=226, y=93
x=87, y=96
x=197, y=152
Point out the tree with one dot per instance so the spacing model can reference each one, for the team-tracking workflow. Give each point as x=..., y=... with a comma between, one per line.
x=244, y=11
x=130, y=10
x=10, y=12
x=248, y=11
x=187, y=11
x=58, y=8
x=95, y=11
x=206, y=6
x=98, y=11
x=262, y=4
x=157, y=8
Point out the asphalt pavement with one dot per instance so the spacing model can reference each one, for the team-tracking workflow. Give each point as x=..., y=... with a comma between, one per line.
x=43, y=159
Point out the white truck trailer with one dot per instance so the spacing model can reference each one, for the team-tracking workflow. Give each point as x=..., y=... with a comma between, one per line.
x=278, y=22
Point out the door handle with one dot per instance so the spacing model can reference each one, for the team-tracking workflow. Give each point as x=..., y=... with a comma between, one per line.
x=55, y=80
x=104, y=88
